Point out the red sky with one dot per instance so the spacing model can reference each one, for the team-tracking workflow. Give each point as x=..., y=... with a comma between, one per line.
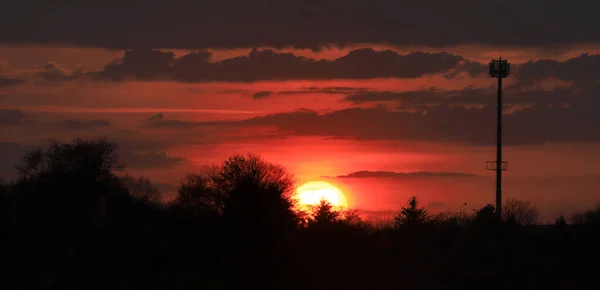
x=205, y=122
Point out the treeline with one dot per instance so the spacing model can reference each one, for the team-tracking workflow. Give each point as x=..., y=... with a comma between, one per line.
x=74, y=220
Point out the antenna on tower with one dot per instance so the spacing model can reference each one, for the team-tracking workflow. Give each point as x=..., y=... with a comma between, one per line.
x=499, y=69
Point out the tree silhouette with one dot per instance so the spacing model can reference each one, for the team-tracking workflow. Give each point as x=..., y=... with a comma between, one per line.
x=560, y=221
x=6, y=208
x=521, y=212
x=252, y=186
x=324, y=214
x=485, y=215
x=351, y=217
x=588, y=217
x=141, y=188
x=91, y=159
x=411, y=216
x=243, y=168
x=68, y=184
x=196, y=195
x=235, y=228
x=257, y=214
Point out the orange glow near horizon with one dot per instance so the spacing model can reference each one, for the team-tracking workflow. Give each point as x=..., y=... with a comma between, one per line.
x=311, y=193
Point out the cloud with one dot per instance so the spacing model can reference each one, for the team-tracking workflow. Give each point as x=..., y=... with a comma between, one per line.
x=143, y=64
x=11, y=117
x=140, y=144
x=9, y=82
x=310, y=90
x=469, y=96
x=262, y=95
x=471, y=68
x=216, y=24
x=324, y=90
x=149, y=160
x=156, y=117
x=268, y=64
x=533, y=125
x=159, y=122
x=583, y=68
x=52, y=72
x=138, y=152
x=396, y=175
x=83, y=124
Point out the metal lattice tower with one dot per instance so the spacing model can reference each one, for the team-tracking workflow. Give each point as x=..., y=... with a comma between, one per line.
x=499, y=69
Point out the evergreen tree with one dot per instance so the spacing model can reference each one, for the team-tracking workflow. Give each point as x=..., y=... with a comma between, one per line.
x=411, y=216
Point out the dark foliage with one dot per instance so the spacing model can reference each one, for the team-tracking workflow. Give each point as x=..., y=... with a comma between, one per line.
x=73, y=221
x=411, y=216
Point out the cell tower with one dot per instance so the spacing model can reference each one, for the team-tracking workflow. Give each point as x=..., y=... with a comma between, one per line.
x=500, y=69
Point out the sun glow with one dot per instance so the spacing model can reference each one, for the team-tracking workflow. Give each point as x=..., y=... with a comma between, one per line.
x=312, y=192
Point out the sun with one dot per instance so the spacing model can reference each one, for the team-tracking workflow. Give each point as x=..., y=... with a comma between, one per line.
x=312, y=192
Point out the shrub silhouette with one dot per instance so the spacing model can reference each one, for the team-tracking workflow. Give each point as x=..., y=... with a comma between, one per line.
x=521, y=212
x=560, y=222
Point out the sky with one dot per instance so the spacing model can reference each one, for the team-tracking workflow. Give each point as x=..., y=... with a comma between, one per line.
x=357, y=93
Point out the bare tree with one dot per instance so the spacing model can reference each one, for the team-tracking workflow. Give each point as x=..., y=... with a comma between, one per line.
x=522, y=212
x=141, y=188
x=252, y=168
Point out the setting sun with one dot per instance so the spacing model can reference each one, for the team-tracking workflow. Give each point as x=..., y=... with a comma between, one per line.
x=312, y=192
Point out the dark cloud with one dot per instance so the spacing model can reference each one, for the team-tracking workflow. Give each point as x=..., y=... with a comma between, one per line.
x=52, y=72
x=156, y=117
x=147, y=153
x=324, y=90
x=471, y=68
x=262, y=95
x=234, y=91
x=11, y=117
x=83, y=124
x=9, y=82
x=310, y=90
x=165, y=124
x=149, y=160
x=534, y=125
x=158, y=121
x=271, y=65
x=391, y=174
x=142, y=64
x=299, y=23
x=469, y=96
x=583, y=68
